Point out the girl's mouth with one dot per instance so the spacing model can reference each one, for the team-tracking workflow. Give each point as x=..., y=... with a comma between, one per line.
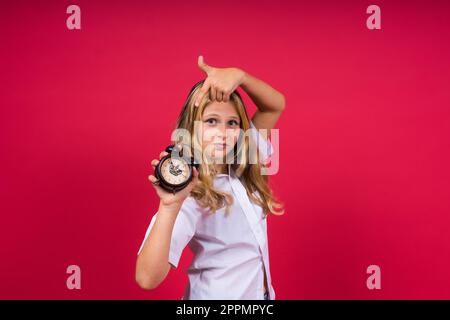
x=220, y=146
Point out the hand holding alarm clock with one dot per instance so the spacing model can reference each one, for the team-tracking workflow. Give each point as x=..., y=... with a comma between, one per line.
x=175, y=176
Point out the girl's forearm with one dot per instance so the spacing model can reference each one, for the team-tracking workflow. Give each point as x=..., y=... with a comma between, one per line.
x=266, y=98
x=152, y=264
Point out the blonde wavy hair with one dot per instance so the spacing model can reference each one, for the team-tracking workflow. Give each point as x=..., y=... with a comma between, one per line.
x=255, y=183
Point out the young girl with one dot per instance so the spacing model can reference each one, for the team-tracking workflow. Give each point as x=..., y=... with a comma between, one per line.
x=222, y=213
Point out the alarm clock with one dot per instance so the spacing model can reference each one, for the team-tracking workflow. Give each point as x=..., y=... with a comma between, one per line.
x=175, y=172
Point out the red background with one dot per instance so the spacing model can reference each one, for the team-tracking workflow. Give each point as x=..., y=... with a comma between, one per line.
x=364, y=140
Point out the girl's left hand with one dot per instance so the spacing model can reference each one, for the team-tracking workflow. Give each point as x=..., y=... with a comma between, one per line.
x=221, y=82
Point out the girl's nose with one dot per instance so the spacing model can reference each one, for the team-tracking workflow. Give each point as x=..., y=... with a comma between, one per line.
x=221, y=131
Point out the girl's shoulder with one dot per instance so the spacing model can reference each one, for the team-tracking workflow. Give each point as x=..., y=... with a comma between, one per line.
x=192, y=207
x=189, y=203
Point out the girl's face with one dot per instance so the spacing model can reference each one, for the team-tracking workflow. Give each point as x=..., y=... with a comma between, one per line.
x=219, y=129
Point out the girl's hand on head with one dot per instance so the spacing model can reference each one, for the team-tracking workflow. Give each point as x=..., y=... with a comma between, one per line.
x=168, y=198
x=220, y=82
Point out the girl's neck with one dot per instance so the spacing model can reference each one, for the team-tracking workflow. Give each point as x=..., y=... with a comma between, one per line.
x=221, y=168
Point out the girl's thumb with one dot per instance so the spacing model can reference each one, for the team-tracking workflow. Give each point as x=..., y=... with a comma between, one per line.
x=202, y=64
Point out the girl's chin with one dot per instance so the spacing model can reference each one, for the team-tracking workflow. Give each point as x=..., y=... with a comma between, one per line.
x=218, y=157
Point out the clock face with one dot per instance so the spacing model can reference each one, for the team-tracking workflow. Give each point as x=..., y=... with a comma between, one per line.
x=175, y=171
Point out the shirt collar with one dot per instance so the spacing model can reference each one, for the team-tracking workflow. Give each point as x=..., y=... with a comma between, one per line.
x=230, y=174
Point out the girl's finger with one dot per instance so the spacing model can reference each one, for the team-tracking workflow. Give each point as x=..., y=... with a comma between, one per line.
x=153, y=180
x=202, y=65
x=155, y=163
x=162, y=154
x=226, y=97
x=219, y=96
x=202, y=92
x=212, y=93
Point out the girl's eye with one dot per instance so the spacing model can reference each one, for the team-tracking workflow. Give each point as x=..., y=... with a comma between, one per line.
x=233, y=123
x=211, y=121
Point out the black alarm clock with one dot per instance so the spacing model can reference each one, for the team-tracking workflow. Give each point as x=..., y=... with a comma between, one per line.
x=174, y=171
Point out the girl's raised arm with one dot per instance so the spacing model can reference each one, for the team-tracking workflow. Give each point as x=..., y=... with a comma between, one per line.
x=221, y=82
x=270, y=102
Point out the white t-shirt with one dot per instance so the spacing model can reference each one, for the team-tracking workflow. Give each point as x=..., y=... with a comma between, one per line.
x=230, y=251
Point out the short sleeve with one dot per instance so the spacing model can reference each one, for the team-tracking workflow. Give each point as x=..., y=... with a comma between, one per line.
x=183, y=230
x=264, y=145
